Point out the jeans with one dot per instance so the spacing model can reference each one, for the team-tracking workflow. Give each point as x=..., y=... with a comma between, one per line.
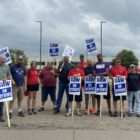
x=1, y=109
x=62, y=87
x=136, y=94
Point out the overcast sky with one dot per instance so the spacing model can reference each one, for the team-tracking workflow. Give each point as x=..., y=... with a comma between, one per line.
x=70, y=22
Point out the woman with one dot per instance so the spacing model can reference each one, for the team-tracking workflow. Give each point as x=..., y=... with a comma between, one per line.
x=48, y=77
x=32, y=87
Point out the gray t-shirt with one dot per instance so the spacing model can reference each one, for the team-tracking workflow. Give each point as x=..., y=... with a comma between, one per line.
x=4, y=71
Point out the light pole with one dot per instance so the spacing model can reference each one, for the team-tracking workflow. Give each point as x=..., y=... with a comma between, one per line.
x=101, y=35
x=40, y=41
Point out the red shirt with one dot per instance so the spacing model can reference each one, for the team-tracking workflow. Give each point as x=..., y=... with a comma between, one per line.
x=118, y=71
x=75, y=72
x=138, y=70
x=47, y=77
x=32, y=76
x=83, y=65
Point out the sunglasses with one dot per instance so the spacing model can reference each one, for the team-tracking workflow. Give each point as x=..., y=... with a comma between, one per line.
x=20, y=59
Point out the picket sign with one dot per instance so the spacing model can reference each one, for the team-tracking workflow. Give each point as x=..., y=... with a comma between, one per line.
x=53, y=50
x=73, y=106
x=74, y=89
x=6, y=95
x=90, y=44
x=121, y=107
x=6, y=53
x=120, y=89
x=101, y=88
x=89, y=88
x=7, y=112
x=88, y=103
x=68, y=51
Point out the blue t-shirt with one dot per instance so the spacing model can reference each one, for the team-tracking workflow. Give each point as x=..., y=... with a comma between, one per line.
x=18, y=73
x=100, y=67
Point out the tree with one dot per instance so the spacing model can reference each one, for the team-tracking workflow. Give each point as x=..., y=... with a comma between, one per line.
x=127, y=57
x=15, y=52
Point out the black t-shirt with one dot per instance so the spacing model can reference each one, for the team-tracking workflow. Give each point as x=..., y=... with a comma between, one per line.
x=133, y=80
x=88, y=70
x=63, y=74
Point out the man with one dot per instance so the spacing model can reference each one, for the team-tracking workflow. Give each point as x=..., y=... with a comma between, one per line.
x=4, y=75
x=18, y=73
x=83, y=64
x=133, y=82
x=101, y=68
x=48, y=77
x=137, y=69
x=117, y=71
x=63, y=68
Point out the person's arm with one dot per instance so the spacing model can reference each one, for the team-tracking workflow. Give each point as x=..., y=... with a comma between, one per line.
x=110, y=74
x=25, y=80
x=94, y=70
x=106, y=71
x=60, y=66
x=41, y=76
x=82, y=75
x=56, y=72
x=125, y=72
x=70, y=74
x=10, y=75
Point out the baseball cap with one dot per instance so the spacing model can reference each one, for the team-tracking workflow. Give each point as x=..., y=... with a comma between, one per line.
x=132, y=66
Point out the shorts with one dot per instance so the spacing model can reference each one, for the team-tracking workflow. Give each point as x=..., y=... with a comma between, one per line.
x=34, y=87
x=18, y=91
x=78, y=98
x=107, y=97
x=116, y=98
x=48, y=91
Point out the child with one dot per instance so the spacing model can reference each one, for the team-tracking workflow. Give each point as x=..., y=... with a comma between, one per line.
x=76, y=72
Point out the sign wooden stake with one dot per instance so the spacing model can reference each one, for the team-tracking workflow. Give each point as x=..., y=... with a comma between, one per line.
x=7, y=111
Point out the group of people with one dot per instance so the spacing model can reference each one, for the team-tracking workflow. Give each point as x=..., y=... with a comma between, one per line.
x=29, y=80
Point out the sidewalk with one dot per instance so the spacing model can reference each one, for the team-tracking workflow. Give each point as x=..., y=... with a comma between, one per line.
x=68, y=135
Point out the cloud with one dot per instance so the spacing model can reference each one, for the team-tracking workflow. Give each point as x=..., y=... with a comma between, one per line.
x=70, y=22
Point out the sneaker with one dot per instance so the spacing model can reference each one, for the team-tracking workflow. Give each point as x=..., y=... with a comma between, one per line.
x=2, y=119
x=110, y=113
x=10, y=115
x=130, y=114
x=33, y=111
x=115, y=114
x=68, y=114
x=54, y=108
x=86, y=111
x=138, y=115
x=29, y=112
x=56, y=111
x=21, y=114
x=94, y=111
x=98, y=113
x=78, y=113
x=123, y=114
x=41, y=109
